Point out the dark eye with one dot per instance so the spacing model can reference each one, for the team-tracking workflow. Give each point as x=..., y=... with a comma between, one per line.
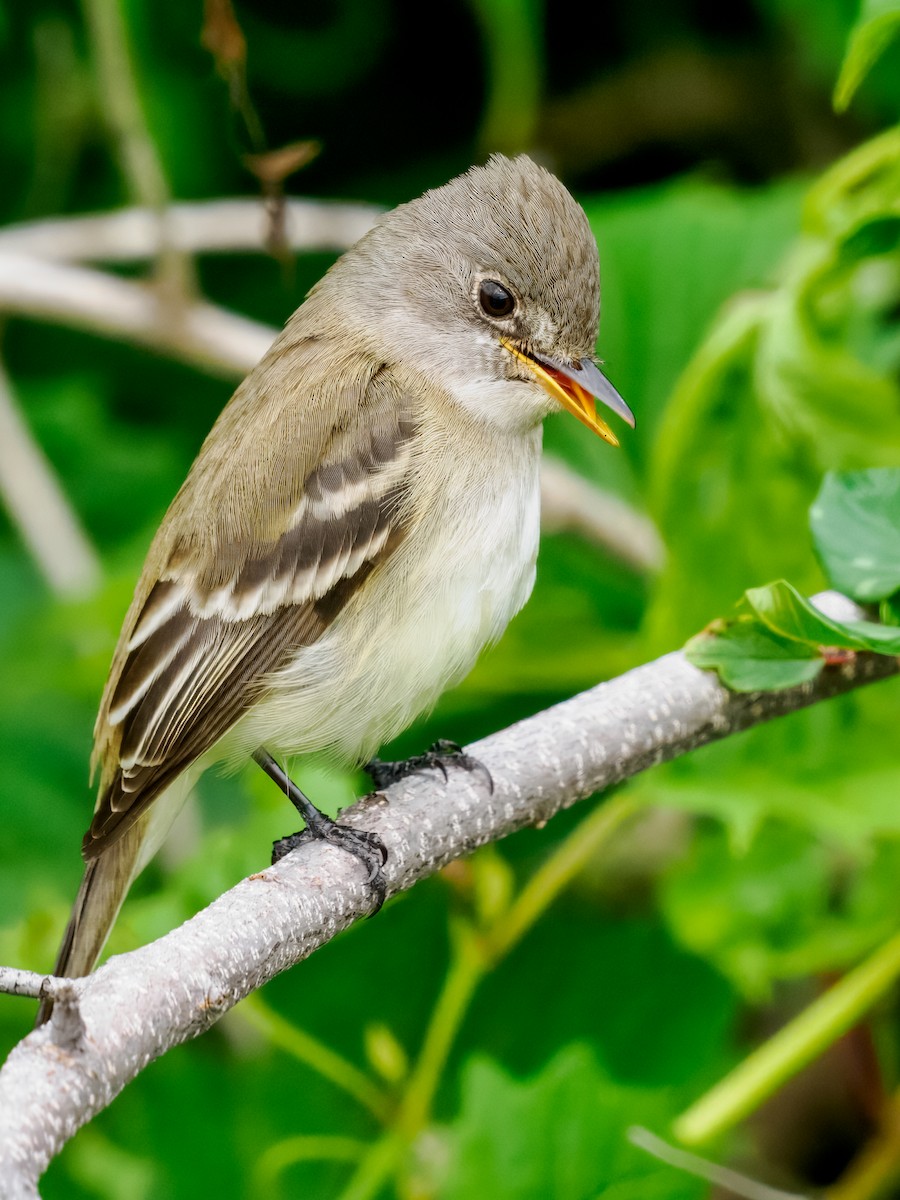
x=494, y=299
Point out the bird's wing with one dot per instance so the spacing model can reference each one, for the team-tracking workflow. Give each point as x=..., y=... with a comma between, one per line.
x=305, y=497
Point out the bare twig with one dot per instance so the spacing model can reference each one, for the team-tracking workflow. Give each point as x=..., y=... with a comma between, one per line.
x=14, y=982
x=139, y=1005
x=138, y=157
x=203, y=335
x=569, y=501
x=38, y=506
x=207, y=337
x=721, y=1177
x=208, y=226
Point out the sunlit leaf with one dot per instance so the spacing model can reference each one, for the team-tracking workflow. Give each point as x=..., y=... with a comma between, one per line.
x=751, y=658
x=777, y=638
x=784, y=611
x=878, y=24
x=558, y=1136
x=855, y=524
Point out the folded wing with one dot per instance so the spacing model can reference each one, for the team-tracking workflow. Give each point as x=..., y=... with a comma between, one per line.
x=223, y=609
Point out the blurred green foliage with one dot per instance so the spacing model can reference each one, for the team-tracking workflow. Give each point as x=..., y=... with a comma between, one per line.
x=876, y=27
x=750, y=251
x=545, y=1137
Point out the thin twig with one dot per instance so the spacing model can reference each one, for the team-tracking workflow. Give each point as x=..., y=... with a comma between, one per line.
x=38, y=507
x=795, y=1044
x=208, y=226
x=15, y=982
x=701, y=1168
x=570, y=502
x=204, y=336
x=138, y=157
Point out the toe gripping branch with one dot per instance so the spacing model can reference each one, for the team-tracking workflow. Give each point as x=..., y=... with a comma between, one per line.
x=367, y=847
x=440, y=757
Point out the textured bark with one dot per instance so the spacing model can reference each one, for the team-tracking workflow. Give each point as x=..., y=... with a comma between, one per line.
x=140, y=1004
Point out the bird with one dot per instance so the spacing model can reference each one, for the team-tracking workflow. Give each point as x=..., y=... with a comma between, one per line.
x=362, y=519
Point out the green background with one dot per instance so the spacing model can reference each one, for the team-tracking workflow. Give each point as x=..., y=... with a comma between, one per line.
x=750, y=253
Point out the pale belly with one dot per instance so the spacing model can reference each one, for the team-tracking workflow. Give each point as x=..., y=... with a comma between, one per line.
x=416, y=629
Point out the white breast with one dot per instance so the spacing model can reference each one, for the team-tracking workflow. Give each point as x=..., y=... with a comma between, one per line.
x=420, y=623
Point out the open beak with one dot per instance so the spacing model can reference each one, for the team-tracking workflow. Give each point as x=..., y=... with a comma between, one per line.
x=577, y=388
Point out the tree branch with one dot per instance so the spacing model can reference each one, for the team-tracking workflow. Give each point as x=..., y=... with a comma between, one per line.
x=204, y=227
x=139, y=1005
x=133, y=145
x=16, y=982
x=194, y=332
x=571, y=502
x=38, y=507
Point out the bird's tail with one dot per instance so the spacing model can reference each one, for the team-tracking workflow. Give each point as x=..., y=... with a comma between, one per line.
x=107, y=879
x=103, y=888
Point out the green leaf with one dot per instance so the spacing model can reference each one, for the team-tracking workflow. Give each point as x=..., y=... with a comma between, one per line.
x=881, y=235
x=727, y=486
x=784, y=611
x=855, y=524
x=788, y=384
x=593, y=986
x=775, y=640
x=842, y=800
x=751, y=658
x=878, y=23
x=558, y=1136
x=787, y=907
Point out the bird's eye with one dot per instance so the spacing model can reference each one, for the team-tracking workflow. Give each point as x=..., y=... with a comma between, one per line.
x=495, y=299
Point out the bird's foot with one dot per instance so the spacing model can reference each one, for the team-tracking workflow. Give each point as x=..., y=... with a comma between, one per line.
x=443, y=754
x=367, y=847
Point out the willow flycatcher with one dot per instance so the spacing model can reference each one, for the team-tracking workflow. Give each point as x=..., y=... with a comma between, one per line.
x=361, y=520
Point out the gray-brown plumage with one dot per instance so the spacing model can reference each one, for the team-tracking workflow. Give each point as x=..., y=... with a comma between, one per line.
x=226, y=607
x=362, y=518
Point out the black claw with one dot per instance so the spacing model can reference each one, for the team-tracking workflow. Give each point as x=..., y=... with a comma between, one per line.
x=286, y=844
x=371, y=852
x=445, y=746
x=367, y=847
x=439, y=757
x=382, y=774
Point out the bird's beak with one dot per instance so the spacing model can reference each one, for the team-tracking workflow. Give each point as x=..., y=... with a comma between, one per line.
x=576, y=388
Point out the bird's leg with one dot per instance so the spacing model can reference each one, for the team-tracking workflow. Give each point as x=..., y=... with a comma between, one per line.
x=439, y=757
x=368, y=847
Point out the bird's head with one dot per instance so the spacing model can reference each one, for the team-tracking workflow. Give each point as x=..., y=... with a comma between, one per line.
x=489, y=279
